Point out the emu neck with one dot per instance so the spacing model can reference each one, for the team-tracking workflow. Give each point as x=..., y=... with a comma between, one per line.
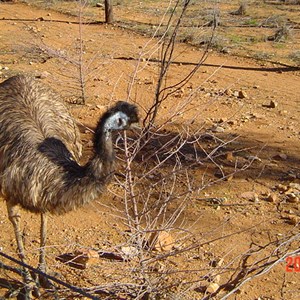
x=103, y=162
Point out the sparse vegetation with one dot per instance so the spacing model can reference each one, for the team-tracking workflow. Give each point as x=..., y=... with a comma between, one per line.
x=282, y=34
x=200, y=16
x=295, y=57
x=242, y=10
x=264, y=56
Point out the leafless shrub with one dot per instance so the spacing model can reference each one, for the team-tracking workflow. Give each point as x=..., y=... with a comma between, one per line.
x=76, y=71
x=242, y=10
x=274, y=21
x=295, y=56
x=282, y=34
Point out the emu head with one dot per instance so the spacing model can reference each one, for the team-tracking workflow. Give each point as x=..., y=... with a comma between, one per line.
x=122, y=116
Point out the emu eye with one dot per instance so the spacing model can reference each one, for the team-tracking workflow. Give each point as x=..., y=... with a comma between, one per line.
x=120, y=122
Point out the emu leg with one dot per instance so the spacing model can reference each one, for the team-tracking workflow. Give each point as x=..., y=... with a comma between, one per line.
x=43, y=239
x=14, y=217
x=44, y=282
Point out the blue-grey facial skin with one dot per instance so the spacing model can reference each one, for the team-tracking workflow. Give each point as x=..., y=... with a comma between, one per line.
x=117, y=121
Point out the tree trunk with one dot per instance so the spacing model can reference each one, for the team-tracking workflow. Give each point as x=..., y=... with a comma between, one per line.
x=109, y=17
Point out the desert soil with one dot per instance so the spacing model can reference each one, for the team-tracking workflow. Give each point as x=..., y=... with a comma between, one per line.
x=254, y=104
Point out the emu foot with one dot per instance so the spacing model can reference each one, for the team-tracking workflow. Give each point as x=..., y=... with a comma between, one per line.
x=44, y=282
x=28, y=291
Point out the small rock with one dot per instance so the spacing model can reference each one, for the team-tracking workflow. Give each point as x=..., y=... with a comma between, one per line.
x=129, y=252
x=271, y=198
x=292, y=198
x=251, y=196
x=80, y=259
x=273, y=104
x=236, y=93
x=280, y=156
x=281, y=188
x=218, y=129
x=295, y=186
x=99, y=5
x=242, y=95
x=220, y=262
x=228, y=92
x=232, y=122
x=225, y=50
x=222, y=120
x=149, y=81
x=294, y=220
x=161, y=241
x=217, y=279
x=212, y=287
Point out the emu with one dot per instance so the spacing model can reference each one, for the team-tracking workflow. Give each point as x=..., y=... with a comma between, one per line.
x=39, y=155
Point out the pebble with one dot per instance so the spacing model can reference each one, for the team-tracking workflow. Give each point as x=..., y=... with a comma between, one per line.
x=232, y=122
x=271, y=197
x=251, y=196
x=273, y=104
x=217, y=279
x=228, y=92
x=212, y=287
x=129, y=252
x=242, y=95
x=292, y=198
x=81, y=258
x=294, y=220
x=281, y=188
x=218, y=129
x=236, y=93
x=280, y=156
x=161, y=241
x=294, y=185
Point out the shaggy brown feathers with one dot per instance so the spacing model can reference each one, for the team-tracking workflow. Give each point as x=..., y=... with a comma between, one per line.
x=40, y=149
